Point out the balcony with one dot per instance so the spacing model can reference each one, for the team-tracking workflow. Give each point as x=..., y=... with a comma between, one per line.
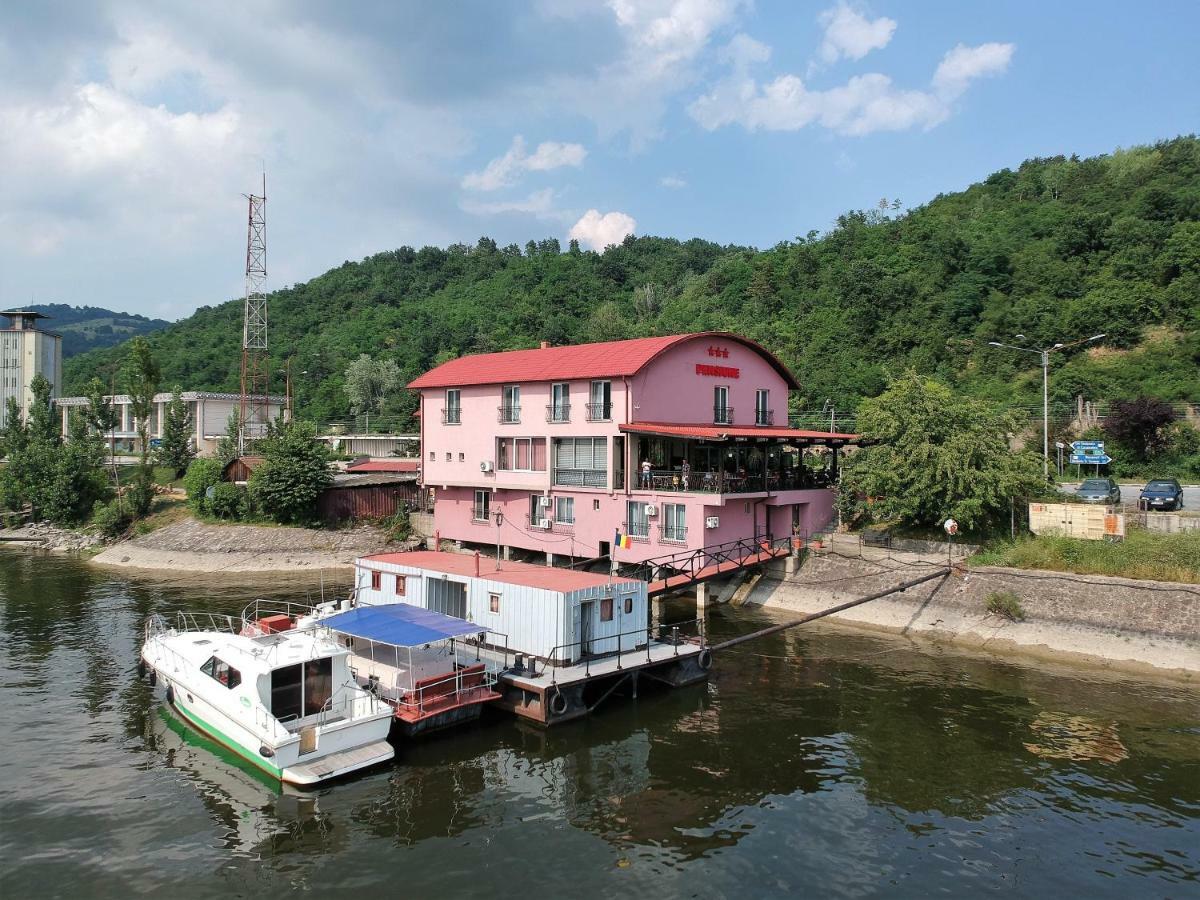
x=639, y=532
x=593, y=478
x=672, y=534
x=722, y=415
x=764, y=417
x=599, y=412
x=558, y=412
x=666, y=481
x=510, y=415
x=452, y=415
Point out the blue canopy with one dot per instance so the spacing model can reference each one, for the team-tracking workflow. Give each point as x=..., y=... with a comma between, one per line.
x=399, y=624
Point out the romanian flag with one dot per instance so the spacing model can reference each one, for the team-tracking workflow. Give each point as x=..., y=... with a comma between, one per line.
x=622, y=540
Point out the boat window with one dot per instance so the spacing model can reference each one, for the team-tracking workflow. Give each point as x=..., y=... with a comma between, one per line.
x=606, y=609
x=318, y=684
x=222, y=672
x=287, y=686
x=376, y=580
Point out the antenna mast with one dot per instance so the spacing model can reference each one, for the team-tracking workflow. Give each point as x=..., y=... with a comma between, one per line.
x=255, y=406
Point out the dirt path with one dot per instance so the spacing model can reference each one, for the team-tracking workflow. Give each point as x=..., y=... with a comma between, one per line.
x=192, y=546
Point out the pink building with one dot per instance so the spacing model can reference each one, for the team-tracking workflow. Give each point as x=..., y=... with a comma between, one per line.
x=681, y=442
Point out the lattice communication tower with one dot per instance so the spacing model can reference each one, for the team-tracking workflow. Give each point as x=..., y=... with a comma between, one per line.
x=255, y=410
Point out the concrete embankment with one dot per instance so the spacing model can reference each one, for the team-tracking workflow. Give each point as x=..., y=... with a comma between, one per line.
x=1116, y=623
x=201, y=548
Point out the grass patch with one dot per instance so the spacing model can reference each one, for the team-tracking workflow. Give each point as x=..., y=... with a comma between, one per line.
x=1007, y=605
x=1143, y=554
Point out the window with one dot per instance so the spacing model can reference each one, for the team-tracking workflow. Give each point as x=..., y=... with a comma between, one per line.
x=581, y=462
x=674, y=525
x=560, y=403
x=376, y=580
x=521, y=454
x=600, y=401
x=432, y=456
x=596, y=505
x=606, y=609
x=482, y=510
x=494, y=603
x=637, y=522
x=537, y=510
x=401, y=585
x=462, y=457
x=449, y=456
x=628, y=605
x=762, y=408
x=452, y=414
x=564, y=510
x=224, y=674
x=510, y=404
x=722, y=413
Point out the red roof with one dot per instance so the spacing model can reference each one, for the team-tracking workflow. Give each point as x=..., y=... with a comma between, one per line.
x=719, y=432
x=384, y=465
x=608, y=359
x=510, y=572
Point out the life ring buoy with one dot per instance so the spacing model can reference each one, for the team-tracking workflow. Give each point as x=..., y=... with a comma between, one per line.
x=170, y=695
x=558, y=703
x=704, y=660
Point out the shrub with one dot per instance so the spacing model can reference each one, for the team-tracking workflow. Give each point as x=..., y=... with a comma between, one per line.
x=1007, y=605
x=165, y=475
x=201, y=475
x=111, y=518
x=294, y=471
x=228, y=501
x=140, y=492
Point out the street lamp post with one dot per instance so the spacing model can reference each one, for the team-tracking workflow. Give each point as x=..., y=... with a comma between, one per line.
x=1045, y=357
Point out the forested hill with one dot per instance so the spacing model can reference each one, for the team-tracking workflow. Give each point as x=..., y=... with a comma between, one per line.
x=86, y=328
x=1058, y=249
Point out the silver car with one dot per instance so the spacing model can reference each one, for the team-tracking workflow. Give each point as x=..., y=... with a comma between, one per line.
x=1099, y=490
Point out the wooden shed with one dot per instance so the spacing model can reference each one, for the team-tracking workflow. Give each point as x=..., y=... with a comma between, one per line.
x=367, y=497
x=238, y=470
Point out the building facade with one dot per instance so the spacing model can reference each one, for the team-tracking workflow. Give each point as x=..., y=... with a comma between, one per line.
x=25, y=352
x=680, y=442
x=210, y=413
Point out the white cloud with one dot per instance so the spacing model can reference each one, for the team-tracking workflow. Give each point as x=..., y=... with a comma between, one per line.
x=851, y=35
x=674, y=182
x=539, y=204
x=863, y=105
x=962, y=65
x=743, y=50
x=599, y=231
x=506, y=170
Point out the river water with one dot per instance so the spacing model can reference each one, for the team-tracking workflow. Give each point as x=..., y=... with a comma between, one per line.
x=819, y=760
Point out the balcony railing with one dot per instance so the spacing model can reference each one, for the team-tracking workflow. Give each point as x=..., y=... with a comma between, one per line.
x=764, y=417
x=596, y=478
x=672, y=534
x=532, y=524
x=510, y=415
x=663, y=481
x=452, y=415
x=479, y=515
x=558, y=412
x=599, y=412
x=638, y=531
x=722, y=415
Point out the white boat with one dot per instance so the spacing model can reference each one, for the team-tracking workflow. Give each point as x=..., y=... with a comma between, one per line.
x=285, y=701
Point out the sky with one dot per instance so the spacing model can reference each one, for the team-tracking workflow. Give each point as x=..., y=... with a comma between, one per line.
x=129, y=132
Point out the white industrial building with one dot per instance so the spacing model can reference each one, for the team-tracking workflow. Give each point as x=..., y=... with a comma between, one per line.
x=25, y=352
x=210, y=413
x=558, y=615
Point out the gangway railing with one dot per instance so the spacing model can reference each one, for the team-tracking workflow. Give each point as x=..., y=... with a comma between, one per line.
x=690, y=565
x=676, y=634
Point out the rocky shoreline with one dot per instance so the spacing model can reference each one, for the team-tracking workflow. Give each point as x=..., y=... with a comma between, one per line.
x=44, y=536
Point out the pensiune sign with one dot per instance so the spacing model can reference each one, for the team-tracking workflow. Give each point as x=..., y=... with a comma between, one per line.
x=717, y=371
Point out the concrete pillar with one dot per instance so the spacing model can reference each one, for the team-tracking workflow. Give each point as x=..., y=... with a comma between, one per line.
x=702, y=597
x=657, y=607
x=789, y=566
x=549, y=558
x=506, y=552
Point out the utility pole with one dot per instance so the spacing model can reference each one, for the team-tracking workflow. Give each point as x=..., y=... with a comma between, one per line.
x=1044, y=355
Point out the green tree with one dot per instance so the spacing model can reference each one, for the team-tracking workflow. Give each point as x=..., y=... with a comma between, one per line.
x=294, y=472
x=142, y=376
x=176, y=450
x=1140, y=426
x=15, y=433
x=369, y=382
x=201, y=475
x=935, y=455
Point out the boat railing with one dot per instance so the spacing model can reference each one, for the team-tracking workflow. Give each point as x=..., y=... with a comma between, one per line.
x=348, y=702
x=460, y=686
x=495, y=643
x=255, y=612
x=643, y=641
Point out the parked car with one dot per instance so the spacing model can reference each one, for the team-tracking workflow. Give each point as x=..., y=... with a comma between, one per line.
x=1162, y=493
x=1099, y=490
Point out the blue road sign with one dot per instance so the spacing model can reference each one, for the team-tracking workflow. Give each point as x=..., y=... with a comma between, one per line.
x=1085, y=446
x=1102, y=459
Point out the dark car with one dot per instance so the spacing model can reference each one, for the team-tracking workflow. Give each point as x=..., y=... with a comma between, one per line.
x=1162, y=493
x=1099, y=490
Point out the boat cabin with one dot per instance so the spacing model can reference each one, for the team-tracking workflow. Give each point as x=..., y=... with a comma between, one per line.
x=557, y=615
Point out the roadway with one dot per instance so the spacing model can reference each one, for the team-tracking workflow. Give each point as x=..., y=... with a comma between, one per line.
x=1130, y=491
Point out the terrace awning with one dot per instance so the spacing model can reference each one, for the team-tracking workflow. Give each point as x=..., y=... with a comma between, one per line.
x=730, y=432
x=399, y=624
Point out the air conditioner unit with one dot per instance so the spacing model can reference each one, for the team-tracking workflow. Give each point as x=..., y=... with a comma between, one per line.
x=486, y=466
x=544, y=502
x=544, y=523
x=712, y=521
x=651, y=509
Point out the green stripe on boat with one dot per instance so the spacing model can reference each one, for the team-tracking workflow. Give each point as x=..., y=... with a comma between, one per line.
x=228, y=742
